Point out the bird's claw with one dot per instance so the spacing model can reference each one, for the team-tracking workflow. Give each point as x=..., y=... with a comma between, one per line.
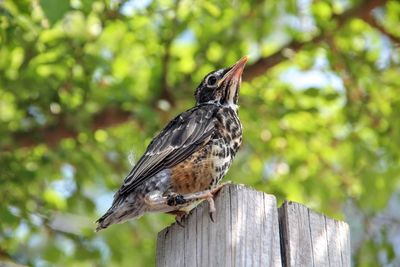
x=212, y=216
x=211, y=204
x=175, y=199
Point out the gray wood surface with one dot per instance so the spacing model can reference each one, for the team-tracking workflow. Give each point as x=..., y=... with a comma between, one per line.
x=312, y=239
x=245, y=233
x=248, y=232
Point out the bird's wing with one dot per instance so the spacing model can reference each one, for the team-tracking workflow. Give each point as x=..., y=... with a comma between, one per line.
x=180, y=138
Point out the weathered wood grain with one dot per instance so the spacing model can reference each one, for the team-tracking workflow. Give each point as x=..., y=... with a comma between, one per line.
x=248, y=232
x=245, y=233
x=311, y=239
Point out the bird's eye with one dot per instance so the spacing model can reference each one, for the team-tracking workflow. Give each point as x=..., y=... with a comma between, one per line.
x=211, y=80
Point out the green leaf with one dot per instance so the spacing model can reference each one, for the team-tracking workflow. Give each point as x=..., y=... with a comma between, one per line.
x=54, y=10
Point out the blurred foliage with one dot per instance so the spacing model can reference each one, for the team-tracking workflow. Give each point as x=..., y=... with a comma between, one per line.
x=321, y=128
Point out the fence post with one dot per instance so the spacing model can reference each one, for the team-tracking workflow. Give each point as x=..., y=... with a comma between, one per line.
x=311, y=239
x=248, y=232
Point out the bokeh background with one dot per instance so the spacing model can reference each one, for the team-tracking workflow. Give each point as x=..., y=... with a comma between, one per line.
x=85, y=85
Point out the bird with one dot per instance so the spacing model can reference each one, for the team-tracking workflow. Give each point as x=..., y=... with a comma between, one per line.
x=185, y=162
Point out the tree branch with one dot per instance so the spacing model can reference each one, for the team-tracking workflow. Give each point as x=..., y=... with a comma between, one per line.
x=110, y=116
x=52, y=134
x=369, y=18
x=263, y=64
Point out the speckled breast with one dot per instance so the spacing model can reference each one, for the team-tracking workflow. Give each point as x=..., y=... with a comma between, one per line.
x=208, y=165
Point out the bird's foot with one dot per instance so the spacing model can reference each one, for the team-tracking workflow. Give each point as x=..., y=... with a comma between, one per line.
x=205, y=195
x=210, y=198
x=157, y=201
x=218, y=188
x=175, y=199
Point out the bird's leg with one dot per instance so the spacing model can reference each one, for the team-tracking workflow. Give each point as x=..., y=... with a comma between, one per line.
x=156, y=201
x=174, y=199
x=206, y=195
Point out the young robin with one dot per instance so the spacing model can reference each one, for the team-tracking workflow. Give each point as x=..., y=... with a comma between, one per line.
x=185, y=162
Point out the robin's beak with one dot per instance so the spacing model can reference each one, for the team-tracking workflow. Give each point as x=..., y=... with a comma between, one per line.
x=235, y=72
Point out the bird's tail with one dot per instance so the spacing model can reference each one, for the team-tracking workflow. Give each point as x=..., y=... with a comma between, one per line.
x=123, y=208
x=103, y=222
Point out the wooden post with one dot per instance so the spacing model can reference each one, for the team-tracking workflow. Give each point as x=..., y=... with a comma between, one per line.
x=312, y=239
x=248, y=232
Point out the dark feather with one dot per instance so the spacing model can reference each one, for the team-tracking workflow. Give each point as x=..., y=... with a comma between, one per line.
x=184, y=135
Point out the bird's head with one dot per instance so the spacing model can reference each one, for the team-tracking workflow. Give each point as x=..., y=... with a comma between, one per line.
x=221, y=86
